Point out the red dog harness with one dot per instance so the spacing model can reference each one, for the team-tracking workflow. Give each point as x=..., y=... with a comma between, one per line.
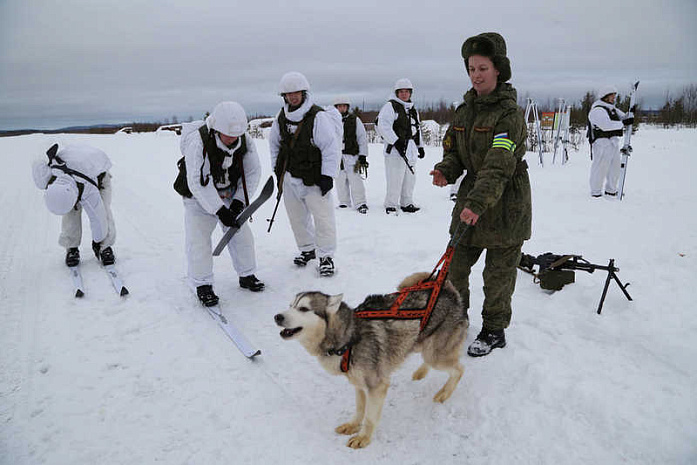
x=395, y=312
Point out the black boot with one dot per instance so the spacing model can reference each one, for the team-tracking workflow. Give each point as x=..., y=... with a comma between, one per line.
x=326, y=266
x=72, y=256
x=304, y=257
x=206, y=295
x=252, y=283
x=411, y=208
x=486, y=341
x=107, y=256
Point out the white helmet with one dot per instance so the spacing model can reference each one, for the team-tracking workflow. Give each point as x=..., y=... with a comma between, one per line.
x=293, y=82
x=61, y=195
x=607, y=90
x=228, y=118
x=341, y=100
x=403, y=83
x=41, y=173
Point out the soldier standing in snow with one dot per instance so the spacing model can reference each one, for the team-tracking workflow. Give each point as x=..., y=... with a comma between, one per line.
x=305, y=152
x=349, y=183
x=398, y=124
x=77, y=177
x=222, y=173
x=487, y=138
x=606, y=127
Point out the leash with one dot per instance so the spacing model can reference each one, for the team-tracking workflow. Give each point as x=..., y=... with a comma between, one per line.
x=395, y=312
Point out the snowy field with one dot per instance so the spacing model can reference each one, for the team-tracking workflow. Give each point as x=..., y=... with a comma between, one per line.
x=152, y=379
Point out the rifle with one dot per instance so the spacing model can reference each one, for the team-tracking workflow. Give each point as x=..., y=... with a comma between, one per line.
x=555, y=271
x=403, y=155
x=279, y=194
x=282, y=176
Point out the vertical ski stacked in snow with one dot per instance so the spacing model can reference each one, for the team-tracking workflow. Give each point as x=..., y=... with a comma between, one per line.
x=626, y=149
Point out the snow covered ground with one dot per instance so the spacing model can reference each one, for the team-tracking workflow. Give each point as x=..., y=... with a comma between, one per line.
x=152, y=379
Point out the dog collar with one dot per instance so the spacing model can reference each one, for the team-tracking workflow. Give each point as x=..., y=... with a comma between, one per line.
x=341, y=350
x=345, y=353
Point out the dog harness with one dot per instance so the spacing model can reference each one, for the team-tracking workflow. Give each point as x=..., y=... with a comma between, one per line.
x=395, y=312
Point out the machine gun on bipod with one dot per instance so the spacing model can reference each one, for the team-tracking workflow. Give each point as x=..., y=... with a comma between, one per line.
x=556, y=271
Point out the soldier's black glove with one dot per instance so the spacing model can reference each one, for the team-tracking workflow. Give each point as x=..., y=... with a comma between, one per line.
x=325, y=184
x=236, y=207
x=422, y=152
x=225, y=216
x=633, y=109
x=96, y=247
x=628, y=121
x=401, y=146
x=362, y=160
x=51, y=153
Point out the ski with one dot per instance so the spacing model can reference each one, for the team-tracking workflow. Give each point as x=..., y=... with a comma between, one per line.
x=626, y=149
x=247, y=349
x=116, y=280
x=245, y=215
x=76, y=276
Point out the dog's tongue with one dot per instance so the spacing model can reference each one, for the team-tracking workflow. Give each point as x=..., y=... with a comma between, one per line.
x=286, y=333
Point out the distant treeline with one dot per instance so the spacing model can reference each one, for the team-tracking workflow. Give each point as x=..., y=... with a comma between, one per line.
x=677, y=110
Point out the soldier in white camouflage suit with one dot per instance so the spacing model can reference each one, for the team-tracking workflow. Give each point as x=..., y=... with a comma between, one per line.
x=77, y=178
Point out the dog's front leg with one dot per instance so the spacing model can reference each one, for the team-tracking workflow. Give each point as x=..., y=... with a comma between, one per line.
x=373, y=411
x=354, y=425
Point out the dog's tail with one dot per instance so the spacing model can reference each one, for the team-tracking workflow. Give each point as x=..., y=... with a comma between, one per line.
x=413, y=279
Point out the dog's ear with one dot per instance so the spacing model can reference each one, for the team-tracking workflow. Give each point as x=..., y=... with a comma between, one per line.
x=334, y=303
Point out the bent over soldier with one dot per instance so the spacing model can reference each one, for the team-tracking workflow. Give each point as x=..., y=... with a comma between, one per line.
x=77, y=178
x=487, y=139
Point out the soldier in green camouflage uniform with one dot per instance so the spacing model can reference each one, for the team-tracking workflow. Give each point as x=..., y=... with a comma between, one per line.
x=487, y=140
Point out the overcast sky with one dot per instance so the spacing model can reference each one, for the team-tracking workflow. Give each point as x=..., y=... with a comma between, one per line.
x=98, y=61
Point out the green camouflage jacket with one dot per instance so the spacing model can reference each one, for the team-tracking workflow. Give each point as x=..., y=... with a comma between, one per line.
x=487, y=138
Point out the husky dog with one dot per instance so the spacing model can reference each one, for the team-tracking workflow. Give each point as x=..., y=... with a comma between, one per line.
x=327, y=328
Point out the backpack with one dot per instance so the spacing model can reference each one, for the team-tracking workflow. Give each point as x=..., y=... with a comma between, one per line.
x=180, y=184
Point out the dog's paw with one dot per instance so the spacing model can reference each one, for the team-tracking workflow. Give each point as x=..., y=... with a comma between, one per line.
x=442, y=395
x=420, y=373
x=348, y=428
x=358, y=442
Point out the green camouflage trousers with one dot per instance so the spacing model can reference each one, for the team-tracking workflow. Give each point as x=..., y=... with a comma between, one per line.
x=499, y=275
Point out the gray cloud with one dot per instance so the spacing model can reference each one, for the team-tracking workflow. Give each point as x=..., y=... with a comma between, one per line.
x=79, y=61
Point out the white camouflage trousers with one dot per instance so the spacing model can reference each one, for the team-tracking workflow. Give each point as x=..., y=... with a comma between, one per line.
x=199, y=226
x=71, y=222
x=399, y=182
x=605, y=166
x=311, y=216
x=349, y=184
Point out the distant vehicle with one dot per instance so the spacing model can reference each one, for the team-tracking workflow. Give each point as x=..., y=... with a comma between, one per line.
x=177, y=128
